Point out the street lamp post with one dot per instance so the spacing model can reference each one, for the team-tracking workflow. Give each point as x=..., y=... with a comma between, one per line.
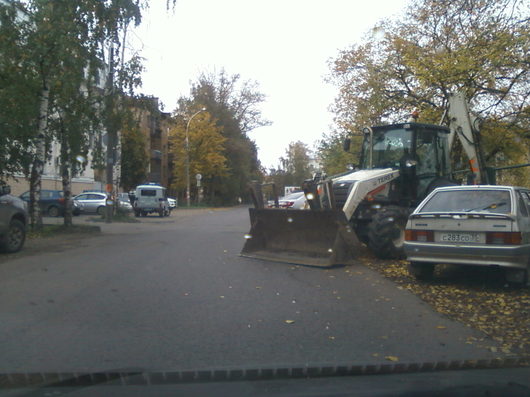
x=188, y=157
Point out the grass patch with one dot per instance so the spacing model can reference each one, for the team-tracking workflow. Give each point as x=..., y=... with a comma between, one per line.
x=55, y=230
x=193, y=206
x=119, y=217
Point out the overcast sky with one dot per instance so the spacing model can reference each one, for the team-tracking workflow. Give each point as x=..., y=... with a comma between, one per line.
x=284, y=45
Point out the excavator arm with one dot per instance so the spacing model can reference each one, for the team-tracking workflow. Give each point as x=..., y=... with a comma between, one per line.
x=463, y=125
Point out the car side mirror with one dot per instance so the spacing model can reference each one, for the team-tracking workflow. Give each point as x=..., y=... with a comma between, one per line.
x=6, y=189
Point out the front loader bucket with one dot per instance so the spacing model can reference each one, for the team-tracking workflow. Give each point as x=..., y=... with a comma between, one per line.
x=313, y=238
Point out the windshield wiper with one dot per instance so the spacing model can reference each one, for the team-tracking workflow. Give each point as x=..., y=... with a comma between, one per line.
x=492, y=206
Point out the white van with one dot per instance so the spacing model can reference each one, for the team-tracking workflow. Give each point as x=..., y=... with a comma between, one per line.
x=151, y=198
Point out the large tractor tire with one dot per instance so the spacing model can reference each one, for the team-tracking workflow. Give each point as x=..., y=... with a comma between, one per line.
x=386, y=232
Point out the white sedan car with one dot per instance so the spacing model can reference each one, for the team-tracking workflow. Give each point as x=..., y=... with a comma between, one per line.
x=471, y=225
x=293, y=201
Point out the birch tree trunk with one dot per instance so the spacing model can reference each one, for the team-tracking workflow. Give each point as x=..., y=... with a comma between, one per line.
x=66, y=180
x=37, y=166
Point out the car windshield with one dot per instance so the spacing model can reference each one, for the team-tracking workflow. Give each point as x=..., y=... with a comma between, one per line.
x=472, y=200
x=232, y=108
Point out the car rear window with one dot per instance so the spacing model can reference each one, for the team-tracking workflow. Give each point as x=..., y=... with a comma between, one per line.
x=492, y=201
x=148, y=192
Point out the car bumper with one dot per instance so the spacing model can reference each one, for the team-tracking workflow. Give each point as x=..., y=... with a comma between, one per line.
x=504, y=256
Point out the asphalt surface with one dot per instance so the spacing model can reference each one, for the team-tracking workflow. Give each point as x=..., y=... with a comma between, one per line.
x=173, y=294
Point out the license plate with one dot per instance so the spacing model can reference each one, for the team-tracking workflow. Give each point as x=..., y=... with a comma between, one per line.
x=461, y=237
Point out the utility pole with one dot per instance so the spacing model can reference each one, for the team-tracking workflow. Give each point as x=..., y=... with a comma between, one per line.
x=111, y=136
x=187, y=143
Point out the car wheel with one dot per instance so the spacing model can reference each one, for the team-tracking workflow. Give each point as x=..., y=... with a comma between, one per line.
x=517, y=276
x=101, y=210
x=421, y=271
x=14, y=238
x=53, y=211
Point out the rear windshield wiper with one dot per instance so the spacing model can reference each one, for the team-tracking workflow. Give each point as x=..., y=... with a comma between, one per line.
x=489, y=206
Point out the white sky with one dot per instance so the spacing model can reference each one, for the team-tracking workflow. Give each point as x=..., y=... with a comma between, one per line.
x=283, y=44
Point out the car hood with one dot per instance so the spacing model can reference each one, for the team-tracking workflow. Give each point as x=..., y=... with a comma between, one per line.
x=15, y=201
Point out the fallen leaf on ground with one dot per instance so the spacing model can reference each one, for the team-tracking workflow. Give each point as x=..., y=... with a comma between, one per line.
x=483, y=302
x=391, y=358
x=289, y=321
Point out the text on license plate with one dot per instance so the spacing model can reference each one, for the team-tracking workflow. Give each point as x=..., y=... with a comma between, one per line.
x=461, y=237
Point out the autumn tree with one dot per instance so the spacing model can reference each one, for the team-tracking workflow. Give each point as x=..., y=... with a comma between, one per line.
x=435, y=49
x=205, y=150
x=55, y=57
x=134, y=157
x=297, y=162
x=234, y=104
x=331, y=152
x=18, y=84
x=294, y=168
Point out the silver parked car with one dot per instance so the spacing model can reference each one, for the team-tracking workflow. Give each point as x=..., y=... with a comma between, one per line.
x=124, y=202
x=92, y=202
x=293, y=201
x=471, y=225
x=13, y=221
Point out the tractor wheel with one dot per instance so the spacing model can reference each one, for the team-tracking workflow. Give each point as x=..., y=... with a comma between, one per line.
x=386, y=232
x=361, y=230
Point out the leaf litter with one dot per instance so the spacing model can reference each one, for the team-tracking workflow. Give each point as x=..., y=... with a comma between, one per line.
x=475, y=296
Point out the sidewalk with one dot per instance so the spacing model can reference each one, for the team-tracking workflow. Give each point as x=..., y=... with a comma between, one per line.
x=64, y=241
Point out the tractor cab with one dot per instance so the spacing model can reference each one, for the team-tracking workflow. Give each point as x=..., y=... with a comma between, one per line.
x=419, y=151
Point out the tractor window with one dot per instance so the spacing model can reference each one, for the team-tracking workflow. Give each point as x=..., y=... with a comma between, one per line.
x=426, y=153
x=389, y=147
x=443, y=153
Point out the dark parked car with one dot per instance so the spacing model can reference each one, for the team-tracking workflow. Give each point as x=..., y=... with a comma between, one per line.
x=52, y=202
x=471, y=225
x=13, y=221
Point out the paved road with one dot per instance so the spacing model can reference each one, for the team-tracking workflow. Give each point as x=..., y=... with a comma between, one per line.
x=173, y=294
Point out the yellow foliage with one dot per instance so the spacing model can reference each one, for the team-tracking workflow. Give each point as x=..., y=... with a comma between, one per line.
x=205, y=150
